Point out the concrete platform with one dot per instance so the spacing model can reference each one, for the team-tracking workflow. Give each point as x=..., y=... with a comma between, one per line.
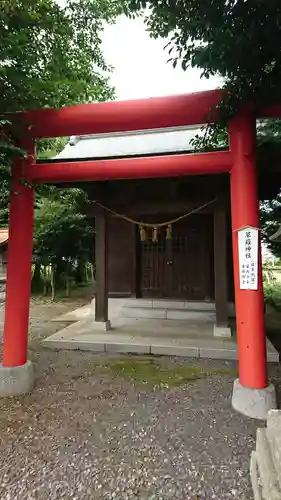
x=146, y=336
x=120, y=309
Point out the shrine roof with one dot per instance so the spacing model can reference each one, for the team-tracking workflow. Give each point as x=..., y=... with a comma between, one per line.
x=134, y=143
x=124, y=144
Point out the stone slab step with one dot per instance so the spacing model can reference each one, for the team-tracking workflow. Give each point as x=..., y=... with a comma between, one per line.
x=170, y=304
x=82, y=337
x=168, y=314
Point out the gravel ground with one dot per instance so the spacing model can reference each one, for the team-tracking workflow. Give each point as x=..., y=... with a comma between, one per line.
x=86, y=434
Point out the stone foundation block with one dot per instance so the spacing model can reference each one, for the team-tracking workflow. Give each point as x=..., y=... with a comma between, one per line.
x=222, y=331
x=253, y=403
x=101, y=326
x=16, y=380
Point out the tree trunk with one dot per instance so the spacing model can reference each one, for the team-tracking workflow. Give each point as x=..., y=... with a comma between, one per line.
x=36, y=284
x=59, y=270
x=92, y=273
x=53, y=268
x=80, y=272
x=37, y=272
x=68, y=286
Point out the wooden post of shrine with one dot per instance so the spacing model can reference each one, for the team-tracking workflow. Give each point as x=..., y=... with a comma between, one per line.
x=221, y=329
x=101, y=262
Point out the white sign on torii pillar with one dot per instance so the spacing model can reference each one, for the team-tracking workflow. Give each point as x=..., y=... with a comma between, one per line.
x=248, y=254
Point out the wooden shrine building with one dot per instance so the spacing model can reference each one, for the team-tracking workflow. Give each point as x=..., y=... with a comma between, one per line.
x=169, y=237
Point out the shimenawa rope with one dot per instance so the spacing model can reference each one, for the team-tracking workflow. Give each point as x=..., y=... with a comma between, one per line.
x=156, y=226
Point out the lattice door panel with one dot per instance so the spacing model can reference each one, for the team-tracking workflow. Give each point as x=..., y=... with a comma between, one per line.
x=190, y=270
x=153, y=264
x=181, y=267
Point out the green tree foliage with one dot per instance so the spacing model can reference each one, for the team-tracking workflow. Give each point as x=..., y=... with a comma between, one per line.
x=63, y=235
x=51, y=54
x=50, y=57
x=49, y=148
x=236, y=39
x=62, y=231
x=270, y=214
x=5, y=181
x=268, y=149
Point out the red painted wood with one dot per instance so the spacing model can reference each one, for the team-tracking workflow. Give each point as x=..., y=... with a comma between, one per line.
x=131, y=168
x=139, y=114
x=245, y=211
x=19, y=267
x=120, y=116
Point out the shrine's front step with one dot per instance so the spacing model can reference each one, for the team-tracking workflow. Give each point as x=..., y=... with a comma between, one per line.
x=167, y=314
x=170, y=304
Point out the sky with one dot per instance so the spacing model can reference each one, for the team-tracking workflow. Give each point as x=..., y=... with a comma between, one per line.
x=140, y=64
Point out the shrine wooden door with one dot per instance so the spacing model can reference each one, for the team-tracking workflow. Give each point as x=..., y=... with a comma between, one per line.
x=181, y=267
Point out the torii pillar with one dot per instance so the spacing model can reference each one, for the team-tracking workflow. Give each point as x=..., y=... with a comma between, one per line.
x=16, y=372
x=252, y=395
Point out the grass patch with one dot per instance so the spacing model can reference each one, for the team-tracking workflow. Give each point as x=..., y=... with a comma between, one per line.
x=81, y=292
x=153, y=373
x=272, y=295
x=273, y=327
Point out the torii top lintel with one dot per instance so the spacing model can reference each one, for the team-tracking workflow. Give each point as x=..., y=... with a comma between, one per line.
x=121, y=116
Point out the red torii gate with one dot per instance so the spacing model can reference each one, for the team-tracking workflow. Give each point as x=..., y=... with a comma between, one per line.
x=251, y=395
